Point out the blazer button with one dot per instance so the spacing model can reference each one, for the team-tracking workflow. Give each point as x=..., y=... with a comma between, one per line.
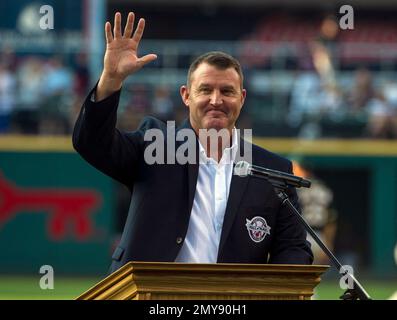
x=179, y=240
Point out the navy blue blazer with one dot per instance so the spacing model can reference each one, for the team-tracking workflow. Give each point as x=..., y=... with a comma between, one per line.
x=256, y=228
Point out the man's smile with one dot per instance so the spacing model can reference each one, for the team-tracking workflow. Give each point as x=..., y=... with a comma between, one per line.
x=216, y=113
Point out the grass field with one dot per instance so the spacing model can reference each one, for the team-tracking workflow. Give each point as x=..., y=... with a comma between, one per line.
x=67, y=288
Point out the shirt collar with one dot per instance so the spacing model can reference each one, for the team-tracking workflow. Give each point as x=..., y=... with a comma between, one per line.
x=229, y=153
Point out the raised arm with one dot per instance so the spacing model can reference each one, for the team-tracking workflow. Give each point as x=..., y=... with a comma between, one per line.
x=95, y=136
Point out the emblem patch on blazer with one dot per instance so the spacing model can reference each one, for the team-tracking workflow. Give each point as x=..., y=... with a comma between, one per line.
x=257, y=228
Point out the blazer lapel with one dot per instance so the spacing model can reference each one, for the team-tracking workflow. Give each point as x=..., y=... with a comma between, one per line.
x=237, y=188
x=192, y=168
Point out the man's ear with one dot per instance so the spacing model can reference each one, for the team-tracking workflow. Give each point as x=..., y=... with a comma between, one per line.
x=184, y=91
x=243, y=96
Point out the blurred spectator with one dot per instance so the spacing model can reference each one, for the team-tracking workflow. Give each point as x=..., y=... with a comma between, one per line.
x=315, y=95
x=362, y=92
x=9, y=58
x=139, y=100
x=316, y=205
x=54, y=111
x=310, y=102
x=162, y=105
x=136, y=106
x=323, y=50
x=304, y=97
x=382, y=110
x=7, y=96
x=82, y=75
x=31, y=88
x=324, y=55
x=366, y=102
x=81, y=82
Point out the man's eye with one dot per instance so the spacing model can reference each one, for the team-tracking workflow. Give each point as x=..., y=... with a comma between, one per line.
x=228, y=92
x=205, y=90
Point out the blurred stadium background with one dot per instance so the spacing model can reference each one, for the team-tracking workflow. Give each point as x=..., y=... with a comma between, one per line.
x=324, y=97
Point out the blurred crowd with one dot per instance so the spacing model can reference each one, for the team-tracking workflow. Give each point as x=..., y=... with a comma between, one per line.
x=41, y=94
x=362, y=103
x=38, y=94
x=325, y=95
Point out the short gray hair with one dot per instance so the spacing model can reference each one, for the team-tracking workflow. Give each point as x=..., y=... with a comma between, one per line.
x=218, y=59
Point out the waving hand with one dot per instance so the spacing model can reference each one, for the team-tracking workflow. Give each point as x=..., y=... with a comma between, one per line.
x=121, y=57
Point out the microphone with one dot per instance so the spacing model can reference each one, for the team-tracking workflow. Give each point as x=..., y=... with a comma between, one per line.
x=243, y=169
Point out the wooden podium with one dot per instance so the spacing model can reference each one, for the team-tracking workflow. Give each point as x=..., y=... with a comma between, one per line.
x=178, y=281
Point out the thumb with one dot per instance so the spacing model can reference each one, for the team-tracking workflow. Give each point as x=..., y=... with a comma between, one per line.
x=146, y=59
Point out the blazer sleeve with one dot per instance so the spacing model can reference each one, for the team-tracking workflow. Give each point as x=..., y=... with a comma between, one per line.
x=290, y=245
x=99, y=142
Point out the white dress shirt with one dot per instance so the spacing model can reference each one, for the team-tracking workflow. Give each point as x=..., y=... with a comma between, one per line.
x=209, y=205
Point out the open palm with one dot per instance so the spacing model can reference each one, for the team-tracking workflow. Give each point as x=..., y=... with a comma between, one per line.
x=121, y=57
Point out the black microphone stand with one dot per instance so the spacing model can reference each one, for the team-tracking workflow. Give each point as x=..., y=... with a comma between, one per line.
x=357, y=291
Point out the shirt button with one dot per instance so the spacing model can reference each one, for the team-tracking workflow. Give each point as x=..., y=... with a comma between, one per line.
x=179, y=240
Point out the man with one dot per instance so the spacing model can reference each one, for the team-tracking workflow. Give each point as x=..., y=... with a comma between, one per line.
x=187, y=212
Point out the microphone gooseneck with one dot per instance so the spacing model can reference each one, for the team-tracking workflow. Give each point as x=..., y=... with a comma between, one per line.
x=243, y=169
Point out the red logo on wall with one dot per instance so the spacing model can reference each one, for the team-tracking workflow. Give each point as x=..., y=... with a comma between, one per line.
x=68, y=210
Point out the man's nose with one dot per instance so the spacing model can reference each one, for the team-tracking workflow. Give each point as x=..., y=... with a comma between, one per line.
x=216, y=98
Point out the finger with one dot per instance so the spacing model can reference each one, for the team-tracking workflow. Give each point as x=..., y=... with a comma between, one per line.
x=139, y=31
x=108, y=32
x=117, y=25
x=146, y=59
x=129, y=26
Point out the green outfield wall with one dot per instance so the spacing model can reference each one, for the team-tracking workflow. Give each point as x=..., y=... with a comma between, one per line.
x=55, y=209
